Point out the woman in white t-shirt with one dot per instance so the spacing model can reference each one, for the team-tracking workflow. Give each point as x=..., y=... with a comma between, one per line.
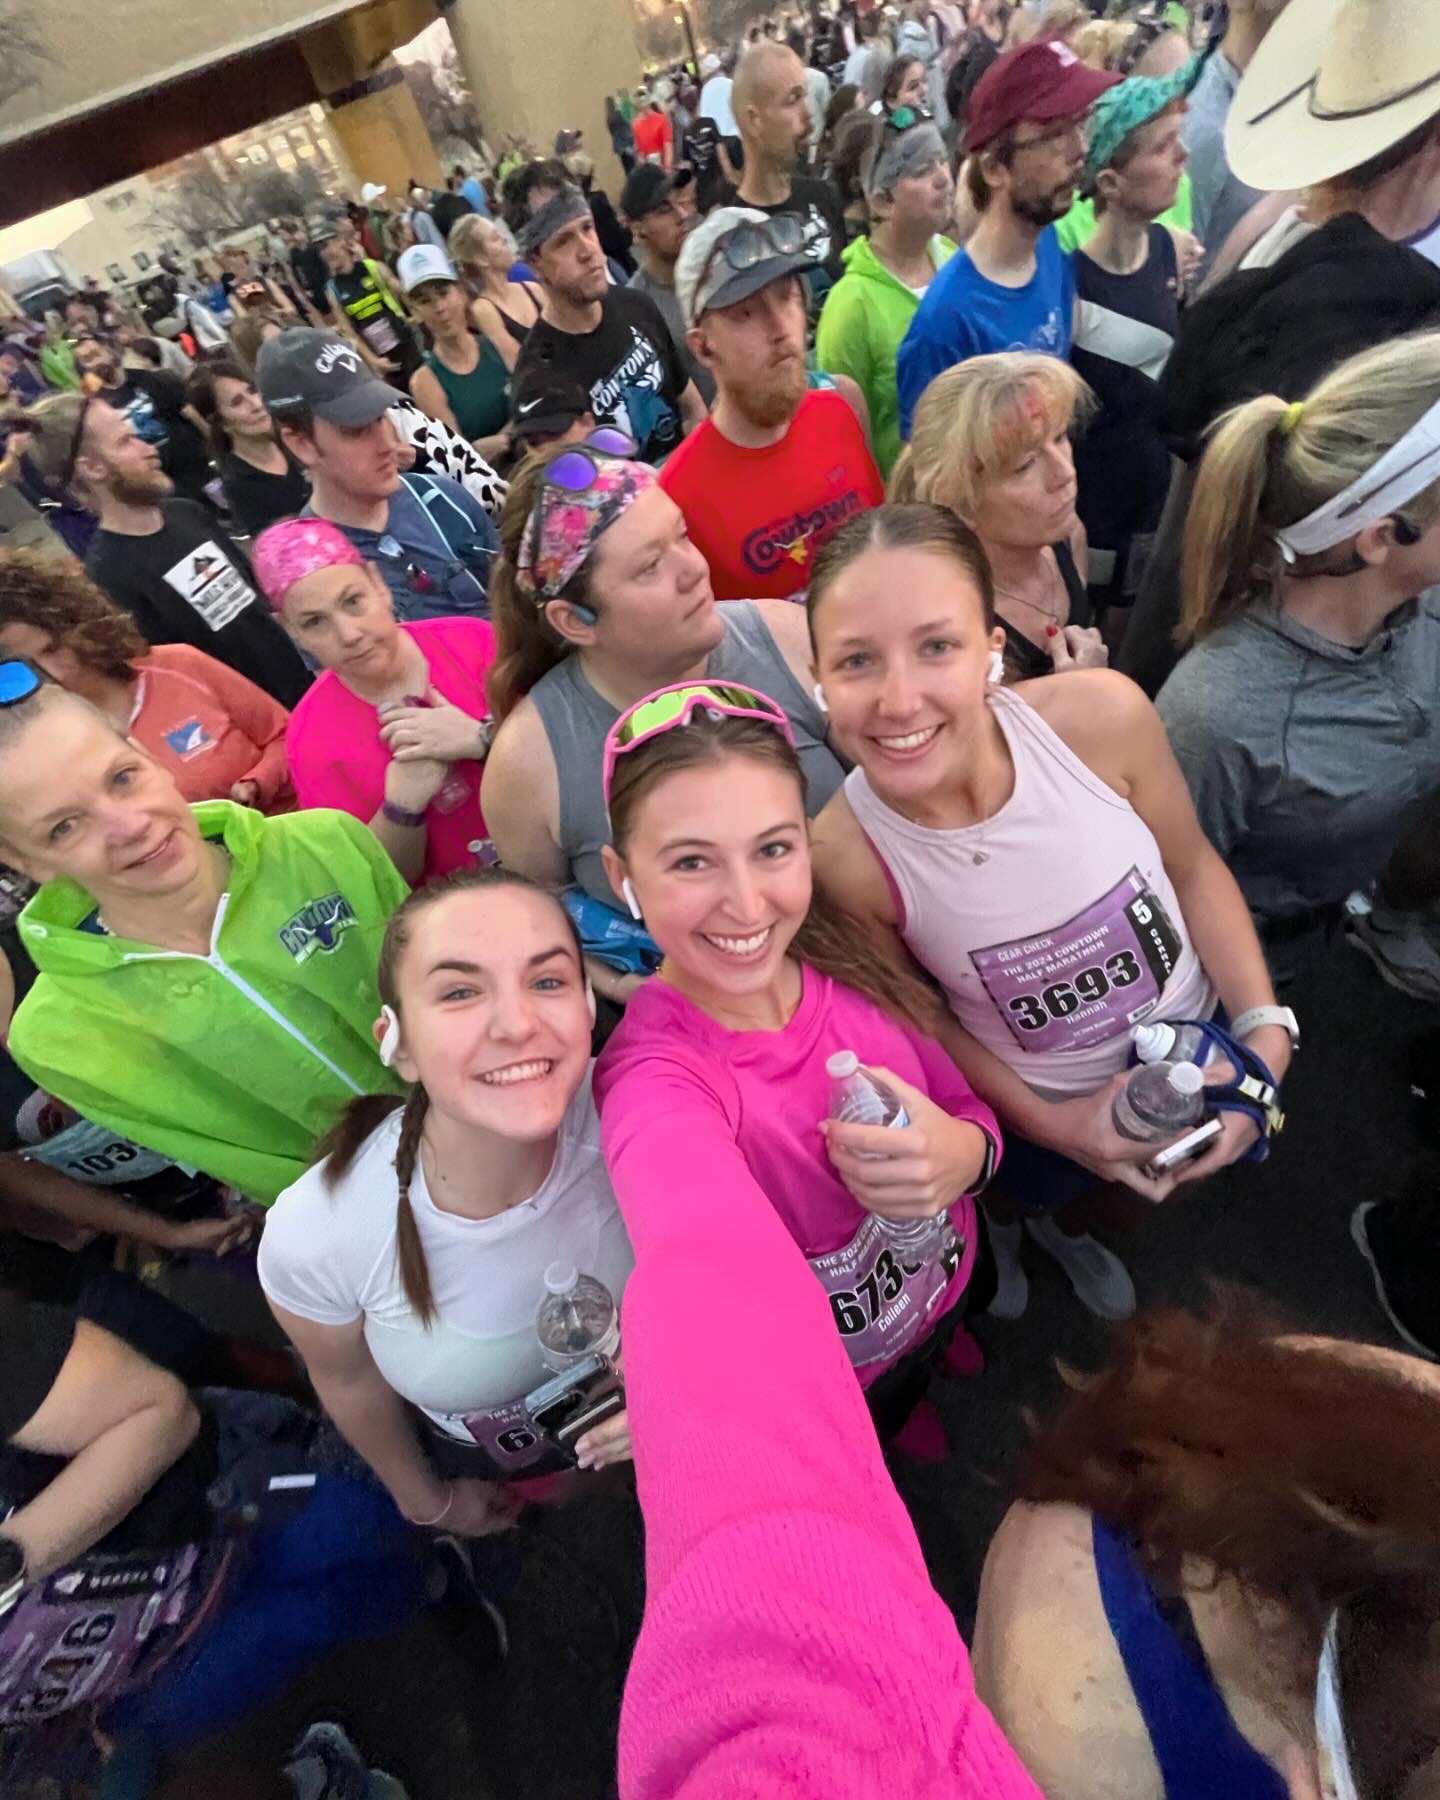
x=407, y=1264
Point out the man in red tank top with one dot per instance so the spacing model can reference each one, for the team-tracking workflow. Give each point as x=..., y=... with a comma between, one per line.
x=778, y=466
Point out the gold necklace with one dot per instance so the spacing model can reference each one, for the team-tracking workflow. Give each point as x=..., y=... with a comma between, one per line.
x=1045, y=611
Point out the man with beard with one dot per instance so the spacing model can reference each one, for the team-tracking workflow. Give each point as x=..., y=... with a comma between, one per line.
x=660, y=209
x=1011, y=287
x=772, y=109
x=613, y=341
x=778, y=467
x=153, y=400
x=165, y=560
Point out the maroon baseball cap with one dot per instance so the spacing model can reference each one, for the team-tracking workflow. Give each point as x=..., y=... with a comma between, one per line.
x=1037, y=82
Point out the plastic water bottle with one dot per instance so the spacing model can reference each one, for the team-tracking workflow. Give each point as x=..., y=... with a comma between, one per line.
x=577, y=1318
x=1169, y=1043
x=1160, y=1100
x=858, y=1099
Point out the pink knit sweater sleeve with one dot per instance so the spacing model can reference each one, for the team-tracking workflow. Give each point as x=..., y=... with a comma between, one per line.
x=792, y=1641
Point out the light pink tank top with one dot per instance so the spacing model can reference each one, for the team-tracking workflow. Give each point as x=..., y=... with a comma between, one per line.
x=1052, y=925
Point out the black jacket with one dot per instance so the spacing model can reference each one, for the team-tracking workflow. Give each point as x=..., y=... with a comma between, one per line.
x=1276, y=330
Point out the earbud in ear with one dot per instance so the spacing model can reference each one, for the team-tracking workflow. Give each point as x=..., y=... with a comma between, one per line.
x=590, y=1001
x=995, y=674
x=629, y=892
x=390, y=1043
x=585, y=614
x=819, y=694
x=1405, y=533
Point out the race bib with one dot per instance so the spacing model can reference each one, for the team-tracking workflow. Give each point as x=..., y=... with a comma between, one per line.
x=92, y=1154
x=77, y=1636
x=511, y=1442
x=380, y=334
x=207, y=580
x=1088, y=980
x=883, y=1306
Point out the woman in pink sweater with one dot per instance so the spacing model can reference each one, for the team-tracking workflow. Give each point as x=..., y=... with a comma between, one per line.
x=397, y=727
x=729, y=1044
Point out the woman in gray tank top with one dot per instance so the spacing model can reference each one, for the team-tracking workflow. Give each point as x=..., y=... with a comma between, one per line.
x=601, y=598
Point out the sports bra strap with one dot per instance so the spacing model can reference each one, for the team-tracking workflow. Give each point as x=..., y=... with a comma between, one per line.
x=1197, y=1744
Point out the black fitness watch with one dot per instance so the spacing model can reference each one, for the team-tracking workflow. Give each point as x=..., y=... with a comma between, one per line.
x=987, y=1168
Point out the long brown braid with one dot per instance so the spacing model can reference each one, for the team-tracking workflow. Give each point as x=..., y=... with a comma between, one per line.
x=362, y=1116
x=414, y=1270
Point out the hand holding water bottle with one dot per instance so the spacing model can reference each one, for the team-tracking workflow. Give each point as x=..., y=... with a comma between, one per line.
x=912, y=1171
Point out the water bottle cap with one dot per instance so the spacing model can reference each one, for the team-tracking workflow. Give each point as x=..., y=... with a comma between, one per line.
x=1186, y=1078
x=841, y=1064
x=560, y=1277
x=1153, y=1043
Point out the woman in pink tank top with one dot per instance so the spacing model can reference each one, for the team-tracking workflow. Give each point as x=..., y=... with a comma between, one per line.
x=1037, y=852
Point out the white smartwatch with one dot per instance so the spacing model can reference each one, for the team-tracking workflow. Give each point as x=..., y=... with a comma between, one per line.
x=1257, y=1016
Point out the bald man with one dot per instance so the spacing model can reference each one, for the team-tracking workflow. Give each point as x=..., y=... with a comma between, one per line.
x=772, y=112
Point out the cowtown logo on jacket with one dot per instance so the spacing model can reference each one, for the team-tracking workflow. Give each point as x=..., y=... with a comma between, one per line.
x=318, y=926
x=795, y=537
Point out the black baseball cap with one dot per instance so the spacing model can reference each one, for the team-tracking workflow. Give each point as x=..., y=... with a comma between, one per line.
x=321, y=372
x=546, y=401
x=647, y=188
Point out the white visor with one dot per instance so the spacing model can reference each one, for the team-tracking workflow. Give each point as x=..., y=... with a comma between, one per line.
x=1405, y=470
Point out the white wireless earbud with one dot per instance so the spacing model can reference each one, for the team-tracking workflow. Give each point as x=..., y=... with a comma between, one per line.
x=996, y=672
x=629, y=892
x=590, y=1001
x=820, y=699
x=390, y=1043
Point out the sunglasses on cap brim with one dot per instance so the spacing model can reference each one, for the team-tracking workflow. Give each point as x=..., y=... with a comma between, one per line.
x=670, y=708
x=750, y=244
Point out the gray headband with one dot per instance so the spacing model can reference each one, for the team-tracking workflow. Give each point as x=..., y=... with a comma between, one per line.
x=567, y=206
x=903, y=153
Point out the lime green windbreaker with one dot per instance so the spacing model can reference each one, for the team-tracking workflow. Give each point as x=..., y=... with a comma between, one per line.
x=866, y=314
x=234, y=1062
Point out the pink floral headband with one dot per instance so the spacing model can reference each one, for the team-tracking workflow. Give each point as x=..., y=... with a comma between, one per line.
x=585, y=490
x=286, y=553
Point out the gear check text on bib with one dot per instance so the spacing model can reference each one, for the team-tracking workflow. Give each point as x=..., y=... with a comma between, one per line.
x=1089, y=979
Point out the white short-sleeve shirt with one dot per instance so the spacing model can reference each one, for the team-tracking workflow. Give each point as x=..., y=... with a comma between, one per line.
x=329, y=1254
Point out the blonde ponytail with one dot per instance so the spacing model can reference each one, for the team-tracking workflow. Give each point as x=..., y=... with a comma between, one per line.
x=1269, y=464
x=1226, y=552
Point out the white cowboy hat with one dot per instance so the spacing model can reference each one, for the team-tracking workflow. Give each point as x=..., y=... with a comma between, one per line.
x=1333, y=83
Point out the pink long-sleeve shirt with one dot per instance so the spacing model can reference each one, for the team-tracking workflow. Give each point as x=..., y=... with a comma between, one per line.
x=752, y=1102
x=339, y=759
x=792, y=1641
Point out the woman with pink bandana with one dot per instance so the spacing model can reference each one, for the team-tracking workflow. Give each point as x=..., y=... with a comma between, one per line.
x=395, y=730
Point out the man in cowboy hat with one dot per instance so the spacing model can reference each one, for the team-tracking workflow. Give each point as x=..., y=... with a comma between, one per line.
x=1343, y=99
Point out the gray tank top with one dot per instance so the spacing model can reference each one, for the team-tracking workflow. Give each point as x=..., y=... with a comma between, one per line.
x=576, y=720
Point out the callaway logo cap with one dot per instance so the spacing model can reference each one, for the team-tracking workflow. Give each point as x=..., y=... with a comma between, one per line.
x=319, y=371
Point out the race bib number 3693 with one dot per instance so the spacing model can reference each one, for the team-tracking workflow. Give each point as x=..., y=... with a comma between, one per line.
x=1089, y=979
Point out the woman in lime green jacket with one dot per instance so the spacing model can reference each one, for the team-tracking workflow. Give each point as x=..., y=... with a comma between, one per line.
x=207, y=975
x=905, y=171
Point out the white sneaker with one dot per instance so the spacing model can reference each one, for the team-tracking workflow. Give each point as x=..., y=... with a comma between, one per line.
x=1012, y=1285
x=1100, y=1280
